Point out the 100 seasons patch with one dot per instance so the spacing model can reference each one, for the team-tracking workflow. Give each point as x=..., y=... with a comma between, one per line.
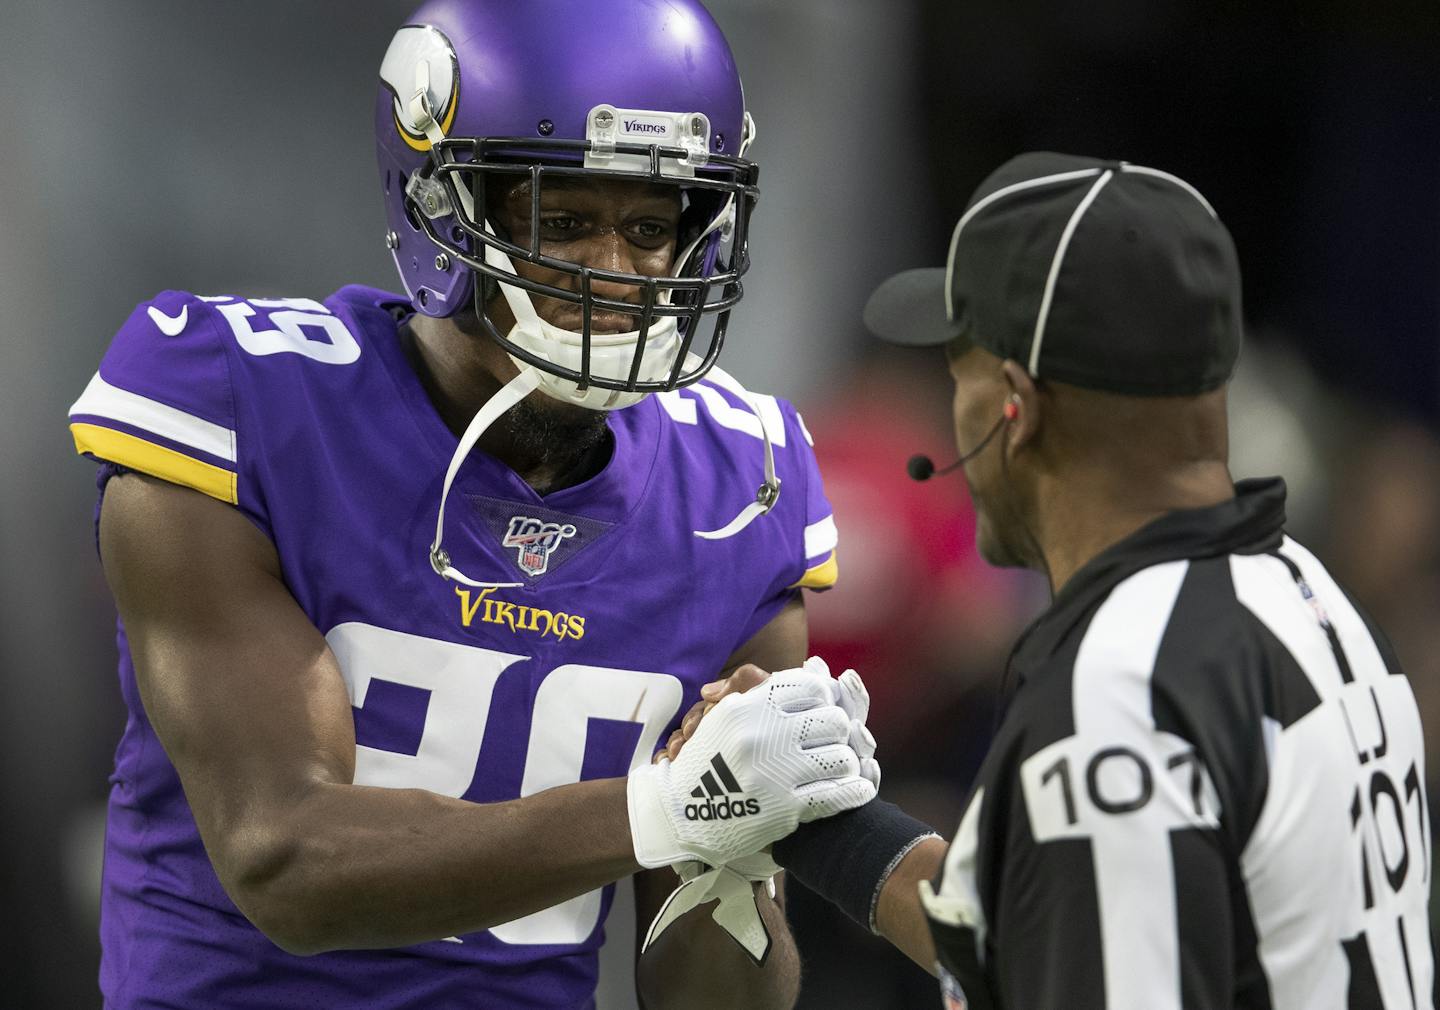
x=484, y=607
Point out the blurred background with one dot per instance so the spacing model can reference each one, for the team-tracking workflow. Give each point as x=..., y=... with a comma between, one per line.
x=227, y=148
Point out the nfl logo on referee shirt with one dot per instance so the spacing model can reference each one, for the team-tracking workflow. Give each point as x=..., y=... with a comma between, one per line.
x=536, y=540
x=951, y=992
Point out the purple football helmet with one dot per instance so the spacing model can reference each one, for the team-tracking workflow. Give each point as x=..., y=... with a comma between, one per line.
x=486, y=93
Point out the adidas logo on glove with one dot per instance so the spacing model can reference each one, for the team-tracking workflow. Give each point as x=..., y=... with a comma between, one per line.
x=714, y=786
x=790, y=740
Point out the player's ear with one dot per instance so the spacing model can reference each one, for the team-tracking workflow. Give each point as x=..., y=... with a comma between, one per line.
x=1022, y=405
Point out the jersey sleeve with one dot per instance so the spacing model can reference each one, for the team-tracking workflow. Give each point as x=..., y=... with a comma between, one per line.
x=793, y=546
x=805, y=556
x=821, y=537
x=162, y=402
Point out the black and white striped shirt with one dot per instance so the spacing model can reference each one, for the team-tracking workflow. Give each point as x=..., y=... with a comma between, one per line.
x=1207, y=792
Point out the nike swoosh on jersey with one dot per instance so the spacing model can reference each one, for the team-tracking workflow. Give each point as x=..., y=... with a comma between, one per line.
x=171, y=326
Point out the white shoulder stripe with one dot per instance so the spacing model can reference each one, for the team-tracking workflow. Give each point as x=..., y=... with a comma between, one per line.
x=1111, y=686
x=104, y=400
x=809, y=438
x=1133, y=861
x=1264, y=587
x=821, y=537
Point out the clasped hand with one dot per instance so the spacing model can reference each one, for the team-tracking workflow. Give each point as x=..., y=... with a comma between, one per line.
x=755, y=757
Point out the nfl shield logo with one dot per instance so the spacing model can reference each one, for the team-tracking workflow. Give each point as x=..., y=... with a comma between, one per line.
x=951, y=992
x=535, y=540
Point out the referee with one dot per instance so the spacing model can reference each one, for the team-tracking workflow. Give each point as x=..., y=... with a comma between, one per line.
x=1207, y=789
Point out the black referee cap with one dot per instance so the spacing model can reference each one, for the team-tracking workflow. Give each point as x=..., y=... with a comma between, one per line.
x=1098, y=273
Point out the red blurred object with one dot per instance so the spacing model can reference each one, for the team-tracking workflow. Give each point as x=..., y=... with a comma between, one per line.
x=916, y=610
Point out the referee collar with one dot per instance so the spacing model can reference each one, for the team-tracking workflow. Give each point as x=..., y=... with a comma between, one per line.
x=1250, y=523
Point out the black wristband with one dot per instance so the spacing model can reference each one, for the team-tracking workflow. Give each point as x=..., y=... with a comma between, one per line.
x=847, y=858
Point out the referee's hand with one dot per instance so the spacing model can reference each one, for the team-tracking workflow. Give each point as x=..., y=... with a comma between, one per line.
x=848, y=691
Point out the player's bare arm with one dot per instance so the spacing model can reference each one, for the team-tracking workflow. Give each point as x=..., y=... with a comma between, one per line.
x=250, y=705
x=695, y=963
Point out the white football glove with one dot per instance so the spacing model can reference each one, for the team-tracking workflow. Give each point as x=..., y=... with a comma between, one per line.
x=848, y=691
x=760, y=763
x=732, y=886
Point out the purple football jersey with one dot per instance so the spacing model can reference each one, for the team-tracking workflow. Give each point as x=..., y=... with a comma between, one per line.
x=309, y=419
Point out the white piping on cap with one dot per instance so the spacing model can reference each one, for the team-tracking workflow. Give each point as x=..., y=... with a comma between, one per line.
x=1004, y=191
x=1055, y=264
x=1125, y=166
x=1047, y=180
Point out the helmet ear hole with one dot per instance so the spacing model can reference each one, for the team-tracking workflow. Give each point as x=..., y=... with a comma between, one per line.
x=409, y=207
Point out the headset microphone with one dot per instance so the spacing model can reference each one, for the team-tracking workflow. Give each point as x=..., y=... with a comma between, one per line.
x=921, y=467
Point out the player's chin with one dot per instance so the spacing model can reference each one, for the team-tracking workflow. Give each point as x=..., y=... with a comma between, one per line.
x=560, y=412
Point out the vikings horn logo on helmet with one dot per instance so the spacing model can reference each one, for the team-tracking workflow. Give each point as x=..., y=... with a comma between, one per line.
x=420, y=58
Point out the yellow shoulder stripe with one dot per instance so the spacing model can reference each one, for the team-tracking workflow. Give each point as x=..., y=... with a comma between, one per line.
x=822, y=576
x=156, y=460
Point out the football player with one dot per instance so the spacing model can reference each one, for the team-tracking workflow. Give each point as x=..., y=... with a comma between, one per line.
x=392, y=701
